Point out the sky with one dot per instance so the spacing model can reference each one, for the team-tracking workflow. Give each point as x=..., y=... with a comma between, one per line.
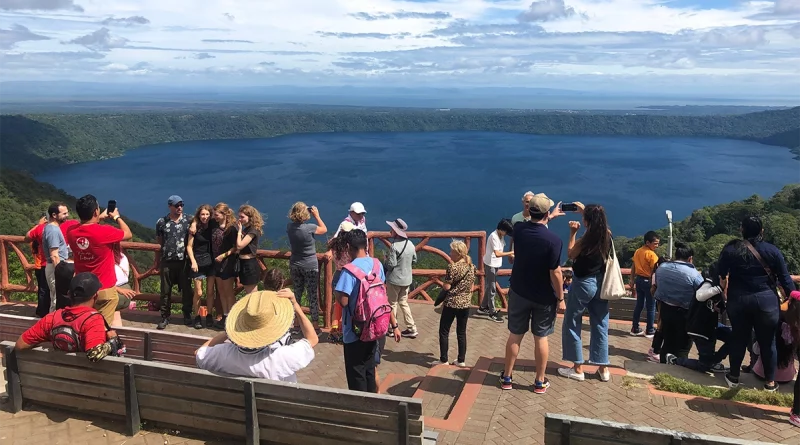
x=667, y=46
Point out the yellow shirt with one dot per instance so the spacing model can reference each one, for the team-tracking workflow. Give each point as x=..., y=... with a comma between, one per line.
x=644, y=261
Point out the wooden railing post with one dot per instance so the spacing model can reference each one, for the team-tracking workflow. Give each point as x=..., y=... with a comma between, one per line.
x=402, y=423
x=329, y=291
x=251, y=414
x=6, y=293
x=13, y=384
x=132, y=419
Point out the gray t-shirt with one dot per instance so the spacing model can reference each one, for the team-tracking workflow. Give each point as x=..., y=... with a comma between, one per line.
x=399, y=260
x=301, y=238
x=52, y=238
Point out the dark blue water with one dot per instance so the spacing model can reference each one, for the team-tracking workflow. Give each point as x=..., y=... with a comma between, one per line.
x=437, y=181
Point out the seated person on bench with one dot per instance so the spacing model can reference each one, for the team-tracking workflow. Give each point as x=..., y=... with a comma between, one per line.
x=76, y=328
x=257, y=341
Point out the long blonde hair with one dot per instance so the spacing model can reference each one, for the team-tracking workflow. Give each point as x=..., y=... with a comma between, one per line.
x=256, y=220
x=226, y=211
x=460, y=248
x=299, y=212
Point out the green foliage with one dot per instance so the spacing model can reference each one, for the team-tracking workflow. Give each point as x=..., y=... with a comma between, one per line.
x=708, y=230
x=39, y=141
x=666, y=382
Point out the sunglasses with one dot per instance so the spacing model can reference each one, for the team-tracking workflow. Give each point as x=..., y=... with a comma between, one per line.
x=180, y=204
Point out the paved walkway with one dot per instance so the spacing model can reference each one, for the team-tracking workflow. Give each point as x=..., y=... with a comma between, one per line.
x=465, y=406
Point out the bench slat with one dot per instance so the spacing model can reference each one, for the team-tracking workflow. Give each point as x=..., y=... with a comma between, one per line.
x=69, y=372
x=71, y=400
x=385, y=421
x=170, y=418
x=78, y=361
x=187, y=376
x=89, y=390
x=337, y=398
x=180, y=389
x=328, y=430
x=206, y=409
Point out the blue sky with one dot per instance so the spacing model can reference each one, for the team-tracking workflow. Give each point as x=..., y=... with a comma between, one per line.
x=681, y=46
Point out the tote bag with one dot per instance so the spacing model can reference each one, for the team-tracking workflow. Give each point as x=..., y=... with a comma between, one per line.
x=613, y=284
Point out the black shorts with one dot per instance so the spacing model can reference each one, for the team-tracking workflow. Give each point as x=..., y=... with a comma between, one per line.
x=522, y=312
x=225, y=269
x=249, y=271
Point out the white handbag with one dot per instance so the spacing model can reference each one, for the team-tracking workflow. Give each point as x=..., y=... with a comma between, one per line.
x=613, y=284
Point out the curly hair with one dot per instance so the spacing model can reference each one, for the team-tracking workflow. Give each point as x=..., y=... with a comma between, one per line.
x=227, y=213
x=256, y=221
x=299, y=212
x=274, y=280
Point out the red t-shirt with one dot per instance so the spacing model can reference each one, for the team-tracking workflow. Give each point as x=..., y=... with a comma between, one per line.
x=91, y=247
x=36, y=233
x=67, y=225
x=92, y=332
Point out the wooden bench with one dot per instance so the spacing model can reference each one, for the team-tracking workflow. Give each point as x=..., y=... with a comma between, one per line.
x=198, y=401
x=164, y=347
x=566, y=430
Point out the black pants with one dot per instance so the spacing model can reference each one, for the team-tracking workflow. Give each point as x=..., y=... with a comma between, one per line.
x=175, y=273
x=676, y=341
x=43, y=294
x=796, y=405
x=448, y=315
x=359, y=365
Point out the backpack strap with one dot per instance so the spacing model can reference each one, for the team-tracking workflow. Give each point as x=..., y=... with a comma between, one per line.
x=355, y=271
x=376, y=267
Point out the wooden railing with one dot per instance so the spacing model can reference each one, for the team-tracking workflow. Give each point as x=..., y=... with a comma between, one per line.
x=432, y=277
x=139, y=272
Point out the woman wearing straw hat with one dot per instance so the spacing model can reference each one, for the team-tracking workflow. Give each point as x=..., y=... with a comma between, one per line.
x=256, y=337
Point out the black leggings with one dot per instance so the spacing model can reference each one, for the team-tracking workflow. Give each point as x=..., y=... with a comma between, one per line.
x=448, y=315
x=308, y=280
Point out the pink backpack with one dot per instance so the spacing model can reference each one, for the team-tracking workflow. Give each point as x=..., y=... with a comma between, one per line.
x=372, y=310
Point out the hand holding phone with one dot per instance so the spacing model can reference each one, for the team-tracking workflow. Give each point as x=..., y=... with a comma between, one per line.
x=112, y=205
x=569, y=207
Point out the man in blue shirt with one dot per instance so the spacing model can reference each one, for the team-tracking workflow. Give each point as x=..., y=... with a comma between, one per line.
x=359, y=356
x=676, y=283
x=537, y=290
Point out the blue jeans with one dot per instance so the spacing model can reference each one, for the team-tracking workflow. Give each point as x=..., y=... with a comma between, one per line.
x=757, y=312
x=585, y=295
x=708, y=356
x=644, y=299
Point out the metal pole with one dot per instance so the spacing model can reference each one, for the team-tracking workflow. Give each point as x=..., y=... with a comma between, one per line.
x=669, y=219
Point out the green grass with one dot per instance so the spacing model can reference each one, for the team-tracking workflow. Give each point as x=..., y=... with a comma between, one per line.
x=666, y=382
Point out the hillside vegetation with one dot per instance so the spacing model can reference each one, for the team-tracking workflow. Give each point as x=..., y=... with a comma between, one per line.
x=37, y=142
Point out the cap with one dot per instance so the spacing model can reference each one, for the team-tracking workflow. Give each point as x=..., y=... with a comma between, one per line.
x=83, y=287
x=399, y=226
x=174, y=199
x=357, y=207
x=540, y=203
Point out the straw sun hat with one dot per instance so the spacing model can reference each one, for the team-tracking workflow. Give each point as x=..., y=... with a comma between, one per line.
x=259, y=319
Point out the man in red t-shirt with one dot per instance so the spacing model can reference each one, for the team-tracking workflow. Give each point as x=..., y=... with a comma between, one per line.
x=34, y=236
x=92, y=334
x=91, y=245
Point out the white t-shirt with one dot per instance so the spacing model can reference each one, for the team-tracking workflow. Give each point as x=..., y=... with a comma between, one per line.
x=494, y=242
x=123, y=271
x=279, y=363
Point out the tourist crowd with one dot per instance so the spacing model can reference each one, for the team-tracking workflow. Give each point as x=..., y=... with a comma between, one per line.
x=82, y=272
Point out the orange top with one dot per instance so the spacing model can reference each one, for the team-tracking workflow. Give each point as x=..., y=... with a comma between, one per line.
x=644, y=262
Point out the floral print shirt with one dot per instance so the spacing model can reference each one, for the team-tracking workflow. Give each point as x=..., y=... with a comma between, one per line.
x=174, y=235
x=461, y=276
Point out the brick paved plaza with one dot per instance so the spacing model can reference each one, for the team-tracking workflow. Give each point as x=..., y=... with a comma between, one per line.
x=465, y=406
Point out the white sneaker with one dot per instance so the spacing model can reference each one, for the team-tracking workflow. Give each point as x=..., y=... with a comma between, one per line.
x=571, y=374
x=604, y=376
x=459, y=364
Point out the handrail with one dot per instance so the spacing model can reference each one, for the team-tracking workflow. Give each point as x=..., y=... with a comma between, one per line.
x=9, y=243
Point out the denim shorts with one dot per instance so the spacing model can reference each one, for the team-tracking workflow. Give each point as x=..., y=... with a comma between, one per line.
x=522, y=311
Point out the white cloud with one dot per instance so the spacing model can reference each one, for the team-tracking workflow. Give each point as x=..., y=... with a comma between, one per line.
x=546, y=10
x=787, y=6
x=444, y=42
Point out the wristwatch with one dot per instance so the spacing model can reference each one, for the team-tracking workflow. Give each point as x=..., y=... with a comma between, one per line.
x=116, y=218
x=397, y=326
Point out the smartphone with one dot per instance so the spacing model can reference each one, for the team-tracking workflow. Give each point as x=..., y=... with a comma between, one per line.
x=112, y=205
x=569, y=207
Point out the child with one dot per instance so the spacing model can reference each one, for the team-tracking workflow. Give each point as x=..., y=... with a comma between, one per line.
x=567, y=280
x=785, y=345
x=492, y=262
x=792, y=317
